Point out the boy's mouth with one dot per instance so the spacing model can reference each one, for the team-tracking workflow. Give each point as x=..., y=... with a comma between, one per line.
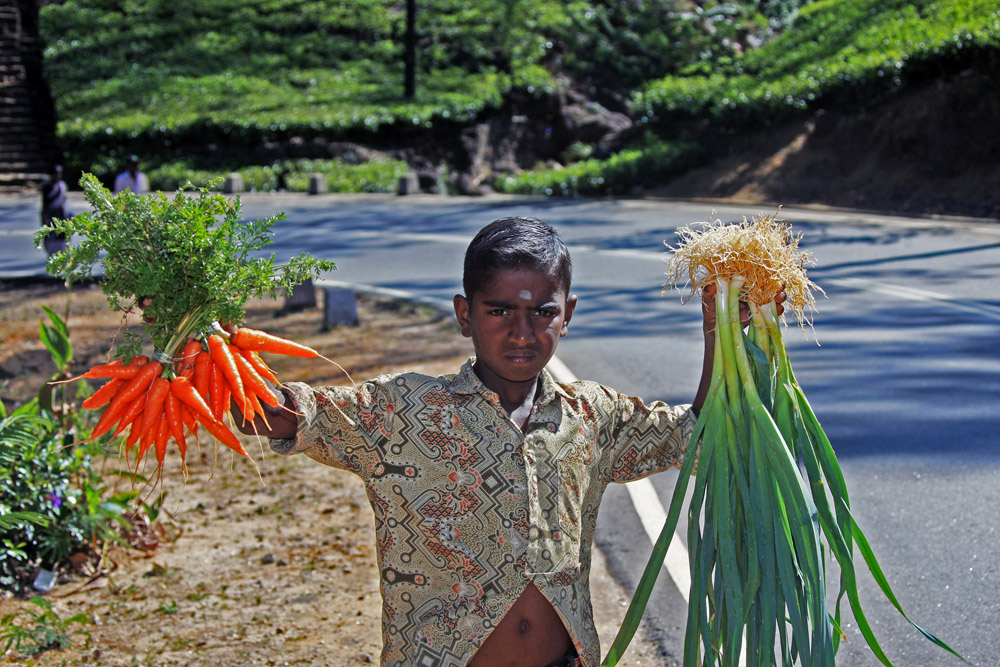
x=520, y=356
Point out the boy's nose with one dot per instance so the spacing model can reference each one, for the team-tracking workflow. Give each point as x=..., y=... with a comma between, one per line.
x=521, y=330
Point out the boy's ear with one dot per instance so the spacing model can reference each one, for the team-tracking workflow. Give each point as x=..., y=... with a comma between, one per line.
x=570, y=307
x=462, y=314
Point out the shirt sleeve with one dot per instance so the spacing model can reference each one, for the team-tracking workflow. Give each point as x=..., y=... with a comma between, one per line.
x=343, y=427
x=648, y=438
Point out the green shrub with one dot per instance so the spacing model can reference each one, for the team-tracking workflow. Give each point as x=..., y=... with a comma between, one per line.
x=31, y=632
x=52, y=503
x=650, y=161
x=377, y=175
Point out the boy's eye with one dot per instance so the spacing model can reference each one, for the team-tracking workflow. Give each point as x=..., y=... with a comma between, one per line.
x=546, y=312
x=497, y=312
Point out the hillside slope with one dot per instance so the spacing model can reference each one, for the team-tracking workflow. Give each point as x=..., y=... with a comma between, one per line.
x=932, y=150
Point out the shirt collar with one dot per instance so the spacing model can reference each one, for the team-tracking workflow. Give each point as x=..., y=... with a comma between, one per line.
x=467, y=382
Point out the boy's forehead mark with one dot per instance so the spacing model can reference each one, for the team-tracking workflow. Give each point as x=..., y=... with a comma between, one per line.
x=526, y=295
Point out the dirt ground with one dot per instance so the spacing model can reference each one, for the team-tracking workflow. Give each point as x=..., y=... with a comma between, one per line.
x=269, y=562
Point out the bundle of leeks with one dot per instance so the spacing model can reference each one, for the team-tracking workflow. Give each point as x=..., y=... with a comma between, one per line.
x=758, y=526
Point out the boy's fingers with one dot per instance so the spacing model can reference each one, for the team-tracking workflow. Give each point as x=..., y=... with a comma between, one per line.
x=778, y=300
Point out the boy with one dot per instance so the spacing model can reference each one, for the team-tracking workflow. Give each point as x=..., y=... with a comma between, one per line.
x=486, y=484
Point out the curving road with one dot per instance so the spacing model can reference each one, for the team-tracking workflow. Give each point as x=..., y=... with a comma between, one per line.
x=902, y=369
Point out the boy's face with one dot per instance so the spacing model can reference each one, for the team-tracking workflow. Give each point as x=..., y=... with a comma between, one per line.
x=515, y=322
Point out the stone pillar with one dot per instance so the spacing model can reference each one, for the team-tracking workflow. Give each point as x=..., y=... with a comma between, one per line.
x=303, y=297
x=409, y=184
x=233, y=183
x=339, y=308
x=317, y=184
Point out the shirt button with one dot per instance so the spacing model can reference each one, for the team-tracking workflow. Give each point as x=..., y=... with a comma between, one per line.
x=533, y=533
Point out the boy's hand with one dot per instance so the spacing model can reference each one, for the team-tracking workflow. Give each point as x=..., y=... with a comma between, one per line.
x=282, y=421
x=708, y=326
x=708, y=309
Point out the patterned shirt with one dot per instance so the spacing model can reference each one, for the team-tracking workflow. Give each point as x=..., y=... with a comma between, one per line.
x=468, y=509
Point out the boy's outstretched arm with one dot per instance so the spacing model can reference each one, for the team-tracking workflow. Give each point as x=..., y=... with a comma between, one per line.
x=708, y=327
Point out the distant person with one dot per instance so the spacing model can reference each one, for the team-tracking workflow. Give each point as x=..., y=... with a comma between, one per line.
x=54, y=208
x=132, y=179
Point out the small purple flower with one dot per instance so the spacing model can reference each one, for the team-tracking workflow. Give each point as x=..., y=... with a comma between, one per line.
x=55, y=499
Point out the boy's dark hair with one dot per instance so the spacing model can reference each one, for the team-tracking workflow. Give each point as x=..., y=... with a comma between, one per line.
x=516, y=242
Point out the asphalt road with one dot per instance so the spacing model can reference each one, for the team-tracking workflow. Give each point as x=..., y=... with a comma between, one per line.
x=901, y=369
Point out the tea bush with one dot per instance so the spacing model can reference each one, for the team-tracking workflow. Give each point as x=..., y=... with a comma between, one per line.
x=844, y=52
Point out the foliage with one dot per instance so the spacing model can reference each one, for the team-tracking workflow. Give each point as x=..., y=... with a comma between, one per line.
x=648, y=161
x=838, y=53
x=51, y=502
x=618, y=46
x=39, y=631
x=376, y=175
x=227, y=73
x=192, y=257
x=206, y=84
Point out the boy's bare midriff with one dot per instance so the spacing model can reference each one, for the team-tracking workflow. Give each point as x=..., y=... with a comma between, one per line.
x=530, y=635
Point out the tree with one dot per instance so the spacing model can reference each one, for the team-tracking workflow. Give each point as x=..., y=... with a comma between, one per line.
x=410, y=51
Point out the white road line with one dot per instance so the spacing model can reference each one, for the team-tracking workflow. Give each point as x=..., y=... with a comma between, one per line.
x=653, y=515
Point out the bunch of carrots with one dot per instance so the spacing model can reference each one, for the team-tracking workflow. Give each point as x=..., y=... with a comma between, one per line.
x=157, y=399
x=187, y=262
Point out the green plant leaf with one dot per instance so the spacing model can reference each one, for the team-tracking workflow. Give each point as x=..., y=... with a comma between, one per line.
x=57, y=343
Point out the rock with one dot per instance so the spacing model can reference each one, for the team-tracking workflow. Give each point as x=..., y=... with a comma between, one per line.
x=588, y=122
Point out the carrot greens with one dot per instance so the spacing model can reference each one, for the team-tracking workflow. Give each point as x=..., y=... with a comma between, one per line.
x=191, y=256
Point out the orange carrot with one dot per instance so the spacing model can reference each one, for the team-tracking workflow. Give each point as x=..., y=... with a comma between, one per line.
x=223, y=435
x=185, y=392
x=161, y=439
x=202, y=367
x=112, y=370
x=154, y=403
x=253, y=383
x=174, y=421
x=108, y=419
x=130, y=414
x=217, y=384
x=258, y=409
x=186, y=360
x=224, y=359
x=138, y=384
x=133, y=437
x=102, y=396
x=226, y=401
x=123, y=397
x=260, y=341
x=258, y=364
x=147, y=438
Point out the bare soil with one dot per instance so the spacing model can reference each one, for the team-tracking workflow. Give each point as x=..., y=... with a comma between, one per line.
x=269, y=562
